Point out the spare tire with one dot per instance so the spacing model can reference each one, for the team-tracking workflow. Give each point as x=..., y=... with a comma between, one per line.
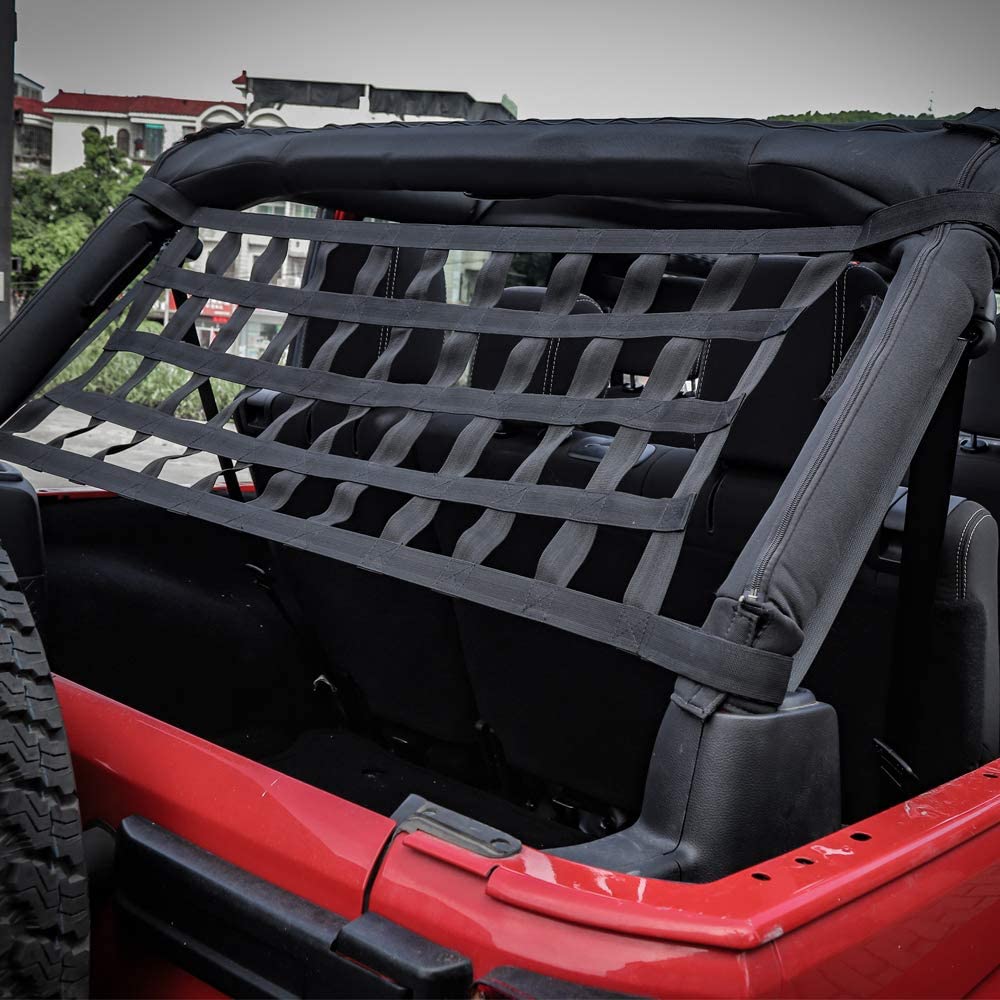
x=44, y=909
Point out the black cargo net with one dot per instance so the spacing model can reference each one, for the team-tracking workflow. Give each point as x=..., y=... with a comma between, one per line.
x=634, y=622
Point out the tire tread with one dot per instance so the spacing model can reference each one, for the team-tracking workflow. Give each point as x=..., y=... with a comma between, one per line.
x=44, y=907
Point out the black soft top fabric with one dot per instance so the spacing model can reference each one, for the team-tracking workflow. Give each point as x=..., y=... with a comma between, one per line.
x=830, y=174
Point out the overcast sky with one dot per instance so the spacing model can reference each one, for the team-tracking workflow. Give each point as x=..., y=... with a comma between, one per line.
x=555, y=58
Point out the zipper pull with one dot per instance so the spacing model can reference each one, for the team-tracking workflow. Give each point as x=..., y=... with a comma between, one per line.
x=752, y=611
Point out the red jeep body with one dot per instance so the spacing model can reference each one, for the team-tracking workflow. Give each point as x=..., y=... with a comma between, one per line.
x=911, y=909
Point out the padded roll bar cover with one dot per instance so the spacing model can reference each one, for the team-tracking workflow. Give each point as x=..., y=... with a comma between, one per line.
x=79, y=291
x=825, y=539
x=769, y=165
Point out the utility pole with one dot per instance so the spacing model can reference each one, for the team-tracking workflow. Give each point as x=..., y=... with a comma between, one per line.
x=8, y=35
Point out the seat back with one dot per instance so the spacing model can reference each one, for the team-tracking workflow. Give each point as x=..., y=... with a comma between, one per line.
x=977, y=464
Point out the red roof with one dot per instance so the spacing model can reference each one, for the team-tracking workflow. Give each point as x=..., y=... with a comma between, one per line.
x=31, y=106
x=144, y=104
x=241, y=80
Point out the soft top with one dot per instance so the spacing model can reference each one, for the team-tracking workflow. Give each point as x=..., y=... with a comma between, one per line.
x=825, y=173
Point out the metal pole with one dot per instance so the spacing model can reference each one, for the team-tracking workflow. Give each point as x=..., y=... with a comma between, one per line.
x=8, y=35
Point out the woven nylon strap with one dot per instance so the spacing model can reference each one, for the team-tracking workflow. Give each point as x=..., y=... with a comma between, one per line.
x=633, y=624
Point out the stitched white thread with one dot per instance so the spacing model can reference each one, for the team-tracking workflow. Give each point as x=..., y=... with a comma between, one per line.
x=390, y=292
x=841, y=330
x=702, y=372
x=839, y=294
x=548, y=361
x=968, y=549
x=958, y=551
x=472, y=362
x=552, y=374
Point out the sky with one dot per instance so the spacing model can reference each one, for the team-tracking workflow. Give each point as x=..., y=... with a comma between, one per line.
x=555, y=58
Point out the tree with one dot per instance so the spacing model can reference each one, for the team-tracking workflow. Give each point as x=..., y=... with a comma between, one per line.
x=846, y=117
x=54, y=213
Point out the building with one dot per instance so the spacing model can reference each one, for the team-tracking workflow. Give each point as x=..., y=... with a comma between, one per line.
x=276, y=102
x=32, y=126
x=142, y=127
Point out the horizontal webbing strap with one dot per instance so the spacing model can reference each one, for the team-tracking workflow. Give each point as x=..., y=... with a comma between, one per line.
x=706, y=659
x=424, y=314
x=623, y=510
x=688, y=415
x=891, y=222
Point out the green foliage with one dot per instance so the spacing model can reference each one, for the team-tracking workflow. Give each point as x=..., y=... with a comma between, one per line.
x=154, y=388
x=846, y=117
x=54, y=213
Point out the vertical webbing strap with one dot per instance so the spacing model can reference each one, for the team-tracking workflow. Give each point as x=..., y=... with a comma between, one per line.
x=927, y=501
x=648, y=586
x=456, y=354
x=393, y=447
x=264, y=268
x=569, y=547
x=140, y=301
x=283, y=484
x=366, y=282
x=561, y=298
x=591, y=377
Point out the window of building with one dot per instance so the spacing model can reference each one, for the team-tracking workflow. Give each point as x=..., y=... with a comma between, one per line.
x=292, y=208
x=149, y=144
x=35, y=142
x=123, y=141
x=293, y=270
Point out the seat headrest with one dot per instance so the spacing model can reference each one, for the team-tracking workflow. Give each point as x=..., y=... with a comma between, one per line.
x=776, y=418
x=677, y=293
x=416, y=361
x=559, y=361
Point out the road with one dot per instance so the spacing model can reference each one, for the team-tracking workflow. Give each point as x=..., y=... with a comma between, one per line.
x=188, y=471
